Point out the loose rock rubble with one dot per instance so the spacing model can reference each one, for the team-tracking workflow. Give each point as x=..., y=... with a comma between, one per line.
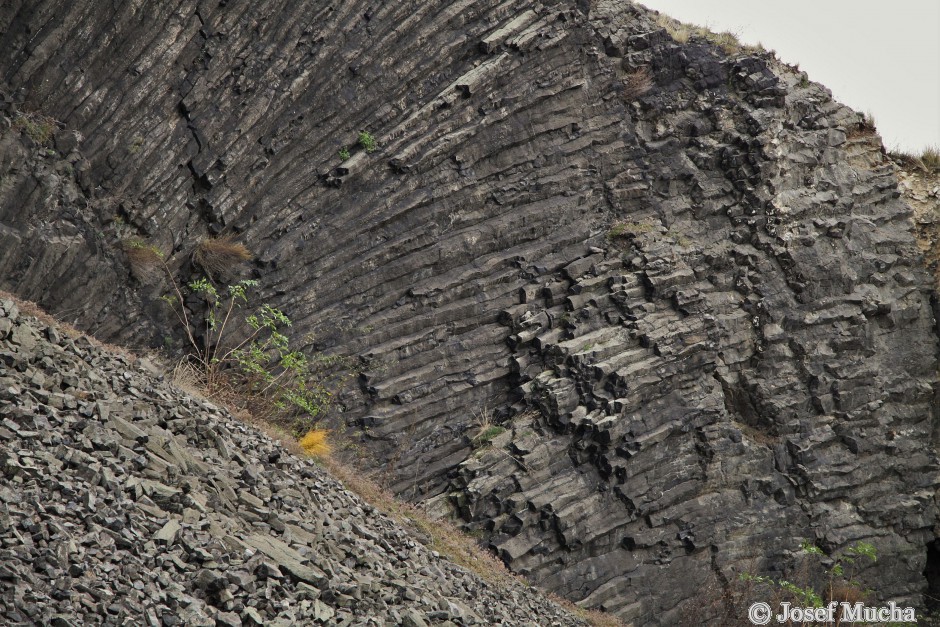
x=124, y=501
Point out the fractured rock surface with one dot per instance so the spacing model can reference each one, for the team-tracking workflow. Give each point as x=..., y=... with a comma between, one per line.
x=125, y=501
x=699, y=310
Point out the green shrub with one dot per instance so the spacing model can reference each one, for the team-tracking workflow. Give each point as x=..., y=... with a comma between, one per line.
x=262, y=372
x=815, y=580
x=40, y=128
x=243, y=357
x=486, y=435
x=838, y=581
x=367, y=141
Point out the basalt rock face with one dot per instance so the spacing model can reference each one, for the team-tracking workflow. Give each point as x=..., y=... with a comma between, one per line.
x=695, y=305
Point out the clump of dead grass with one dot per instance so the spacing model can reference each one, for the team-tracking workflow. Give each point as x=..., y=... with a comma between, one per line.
x=636, y=84
x=145, y=260
x=927, y=161
x=680, y=33
x=315, y=443
x=220, y=254
x=728, y=41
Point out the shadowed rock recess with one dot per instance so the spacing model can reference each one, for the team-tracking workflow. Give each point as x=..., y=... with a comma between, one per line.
x=697, y=310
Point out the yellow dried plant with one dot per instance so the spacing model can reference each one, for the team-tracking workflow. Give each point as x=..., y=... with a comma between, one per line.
x=315, y=444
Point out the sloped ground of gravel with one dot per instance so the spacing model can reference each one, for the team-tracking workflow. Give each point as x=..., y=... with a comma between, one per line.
x=124, y=501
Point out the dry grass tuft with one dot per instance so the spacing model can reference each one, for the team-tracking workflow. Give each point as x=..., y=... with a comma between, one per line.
x=637, y=83
x=722, y=604
x=679, y=32
x=38, y=127
x=145, y=260
x=187, y=377
x=727, y=41
x=930, y=157
x=221, y=254
x=29, y=308
x=928, y=161
x=845, y=593
x=486, y=429
x=314, y=443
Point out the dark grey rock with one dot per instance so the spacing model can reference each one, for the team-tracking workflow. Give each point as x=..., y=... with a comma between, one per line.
x=704, y=299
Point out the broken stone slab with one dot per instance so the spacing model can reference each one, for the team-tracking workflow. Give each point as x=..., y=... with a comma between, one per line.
x=167, y=533
x=287, y=558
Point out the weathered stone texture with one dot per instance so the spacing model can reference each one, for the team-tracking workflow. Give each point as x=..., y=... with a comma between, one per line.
x=124, y=500
x=699, y=310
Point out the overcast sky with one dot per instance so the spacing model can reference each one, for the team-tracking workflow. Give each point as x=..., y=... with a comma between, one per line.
x=881, y=57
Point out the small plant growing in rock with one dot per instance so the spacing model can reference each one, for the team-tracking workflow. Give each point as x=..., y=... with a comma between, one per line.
x=839, y=584
x=811, y=584
x=367, y=141
x=928, y=160
x=344, y=153
x=485, y=437
x=636, y=84
x=623, y=231
x=239, y=356
x=39, y=128
x=219, y=255
x=486, y=429
x=137, y=142
x=314, y=443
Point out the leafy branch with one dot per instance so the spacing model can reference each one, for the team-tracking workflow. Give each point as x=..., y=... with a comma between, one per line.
x=258, y=369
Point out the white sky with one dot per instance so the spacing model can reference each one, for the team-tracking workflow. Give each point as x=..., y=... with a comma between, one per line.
x=878, y=57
